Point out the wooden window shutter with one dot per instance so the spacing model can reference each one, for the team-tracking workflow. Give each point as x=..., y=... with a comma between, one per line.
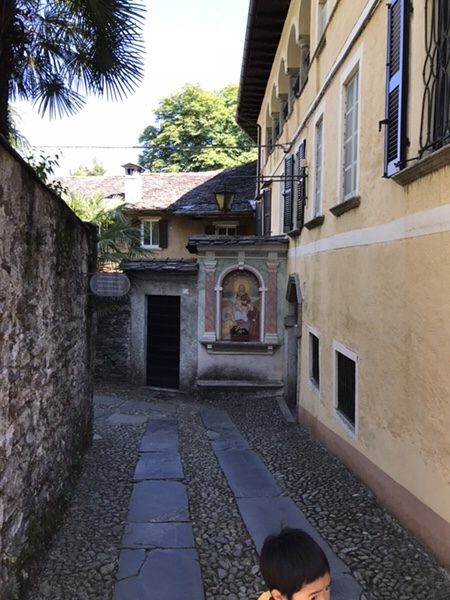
x=396, y=87
x=163, y=233
x=267, y=212
x=301, y=186
x=259, y=230
x=209, y=230
x=288, y=193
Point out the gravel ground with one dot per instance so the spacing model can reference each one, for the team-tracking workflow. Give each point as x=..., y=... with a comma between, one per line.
x=82, y=559
x=228, y=559
x=81, y=563
x=388, y=562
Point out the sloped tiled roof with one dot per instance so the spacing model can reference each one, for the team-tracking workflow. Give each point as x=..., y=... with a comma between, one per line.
x=159, y=190
x=181, y=193
x=194, y=241
x=201, y=200
x=168, y=265
x=108, y=185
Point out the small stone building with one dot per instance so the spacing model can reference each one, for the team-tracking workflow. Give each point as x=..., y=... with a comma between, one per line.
x=204, y=311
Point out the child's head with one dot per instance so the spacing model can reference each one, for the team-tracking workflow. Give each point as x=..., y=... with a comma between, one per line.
x=294, y=567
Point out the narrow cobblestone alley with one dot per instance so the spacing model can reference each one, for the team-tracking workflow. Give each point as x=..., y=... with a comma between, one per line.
x=82, y=562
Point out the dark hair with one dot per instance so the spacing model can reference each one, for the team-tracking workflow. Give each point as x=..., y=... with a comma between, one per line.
x=291, y=559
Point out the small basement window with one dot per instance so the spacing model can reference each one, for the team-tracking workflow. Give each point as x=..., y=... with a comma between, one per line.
x=345, y=384
x=314, y=371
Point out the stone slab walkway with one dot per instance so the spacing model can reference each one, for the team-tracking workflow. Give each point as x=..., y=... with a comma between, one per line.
x=163, y=490
x=158, y=557
x=263, y=507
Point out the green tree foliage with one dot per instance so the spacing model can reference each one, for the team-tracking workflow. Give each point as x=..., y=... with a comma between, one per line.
x=117, y=238
x=196, y=131
x=84, y=171
x=54, y=53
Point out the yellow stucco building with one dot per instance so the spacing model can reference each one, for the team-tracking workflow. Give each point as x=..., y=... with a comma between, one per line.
x=350, y=102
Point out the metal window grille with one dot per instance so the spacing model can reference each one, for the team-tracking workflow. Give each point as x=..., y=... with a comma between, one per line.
x=314, y=345
x=346, y=380
x=435, y=124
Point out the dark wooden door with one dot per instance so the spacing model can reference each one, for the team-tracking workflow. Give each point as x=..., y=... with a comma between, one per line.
x=163, y=341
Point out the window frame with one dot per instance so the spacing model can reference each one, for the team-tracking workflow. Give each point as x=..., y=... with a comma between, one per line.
x=354, y=163
x=155, y=220
x=317, y=204
x=225, y=225
x=322, y=18
x=339, y=348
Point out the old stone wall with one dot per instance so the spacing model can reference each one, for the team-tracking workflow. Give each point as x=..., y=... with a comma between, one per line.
x=46, y=349
x=112, y=349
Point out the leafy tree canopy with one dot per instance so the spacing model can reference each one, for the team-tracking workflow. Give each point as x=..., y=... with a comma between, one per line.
x=196, y=131
x=96, y=169
x=54, y=53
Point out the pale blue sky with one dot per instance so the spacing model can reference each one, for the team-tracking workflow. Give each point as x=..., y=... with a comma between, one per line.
x=195, y=41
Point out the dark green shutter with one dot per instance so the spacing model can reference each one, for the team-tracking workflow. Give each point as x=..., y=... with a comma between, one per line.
x=288, y=193
x=267, y=211
x=163, y=233
x=301, y=185
x=258, y=217
x=396, y=86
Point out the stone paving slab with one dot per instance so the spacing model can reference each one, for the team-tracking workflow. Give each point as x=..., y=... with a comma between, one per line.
x=265, y=516
x=161, y=434
x=108, y=401
x=158, y=501
x=246, y=474
x=164, y=574
x=158, y=465
x=227, y=440
x=158, y=535
x=221, y=431
x=122, y=419
x=216, y=419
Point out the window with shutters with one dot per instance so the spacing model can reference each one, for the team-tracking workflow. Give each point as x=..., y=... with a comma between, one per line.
x=318, y=167
x=396, y=86
x=267, y=212
x=153, y=233
x=345, y=384
x=351, y=137
x=302, y=187
x=288, y=194
x=435, y=126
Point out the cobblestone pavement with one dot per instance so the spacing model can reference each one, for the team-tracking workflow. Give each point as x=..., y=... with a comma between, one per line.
x=81, y=563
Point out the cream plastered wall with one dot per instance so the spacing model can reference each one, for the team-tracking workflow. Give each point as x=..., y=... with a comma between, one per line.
x=180, y=228
x=375, y=279
x=388, y=303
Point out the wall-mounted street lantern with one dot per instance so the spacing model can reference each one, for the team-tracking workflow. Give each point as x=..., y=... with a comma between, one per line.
x=224, y=199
